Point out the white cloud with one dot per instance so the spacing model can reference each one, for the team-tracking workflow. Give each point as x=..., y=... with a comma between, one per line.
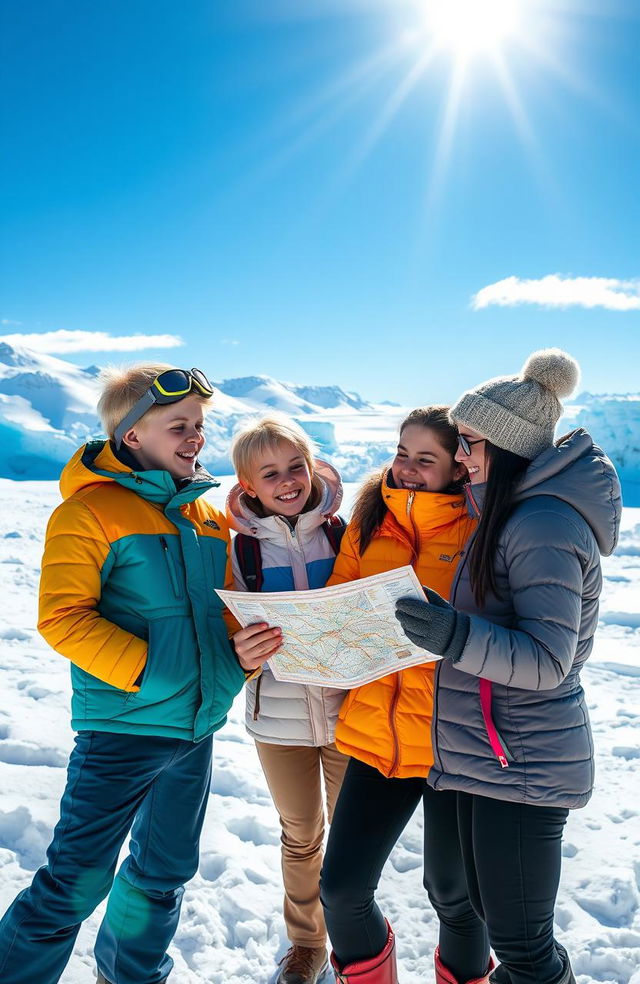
x=229, y=341
x=556, y=291
x=8, y=321
x=62, y=342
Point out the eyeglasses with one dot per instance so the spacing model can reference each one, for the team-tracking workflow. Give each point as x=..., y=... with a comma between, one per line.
x=170, y=386
x=466, y=445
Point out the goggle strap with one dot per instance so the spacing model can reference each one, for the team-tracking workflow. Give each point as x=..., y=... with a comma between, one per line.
x=151, y=397
x=137, y=411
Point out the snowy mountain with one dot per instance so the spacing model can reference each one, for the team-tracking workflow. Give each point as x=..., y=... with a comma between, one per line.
x=263, y=391
x=47, y=409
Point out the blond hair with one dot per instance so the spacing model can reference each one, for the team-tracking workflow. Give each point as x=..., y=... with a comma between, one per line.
x=122, y=387
x=264, y=435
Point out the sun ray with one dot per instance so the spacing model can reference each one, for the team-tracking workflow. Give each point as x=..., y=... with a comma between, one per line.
x=446, y=134
x=514, y=102
x=359, y=78
x=307, y=123
x=388, y=111
x=466, y=36
x=578, y=83
x=535, y=158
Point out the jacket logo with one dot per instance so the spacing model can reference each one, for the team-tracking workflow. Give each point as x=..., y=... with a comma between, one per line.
x=449, y=557
x=211, y=523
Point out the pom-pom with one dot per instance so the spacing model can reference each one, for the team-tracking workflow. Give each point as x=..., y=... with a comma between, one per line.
x=553, y=369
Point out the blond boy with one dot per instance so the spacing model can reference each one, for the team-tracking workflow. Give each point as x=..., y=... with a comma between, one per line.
x=131, y=560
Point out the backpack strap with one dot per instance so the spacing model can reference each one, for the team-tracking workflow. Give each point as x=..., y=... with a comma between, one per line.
x=249, y=557
x=334, y=528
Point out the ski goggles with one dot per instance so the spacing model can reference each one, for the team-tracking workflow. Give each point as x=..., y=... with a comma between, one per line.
x=170, y=386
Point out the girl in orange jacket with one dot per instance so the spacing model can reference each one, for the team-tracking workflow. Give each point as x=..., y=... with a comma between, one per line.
x=414, y=513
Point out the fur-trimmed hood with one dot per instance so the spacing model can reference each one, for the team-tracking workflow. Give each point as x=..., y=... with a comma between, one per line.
x=244, y=520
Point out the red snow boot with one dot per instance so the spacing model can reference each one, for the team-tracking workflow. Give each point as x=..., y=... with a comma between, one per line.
x=380, y=969
x=444, y=975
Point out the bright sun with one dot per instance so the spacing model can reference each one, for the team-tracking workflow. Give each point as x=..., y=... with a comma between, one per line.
x=471, y=27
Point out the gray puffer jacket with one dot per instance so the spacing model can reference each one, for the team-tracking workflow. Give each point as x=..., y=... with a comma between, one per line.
x=510, y=718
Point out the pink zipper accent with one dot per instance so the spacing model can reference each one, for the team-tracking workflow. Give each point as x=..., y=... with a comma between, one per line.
x=485, y=685
x=470, y=495
x=494, y=740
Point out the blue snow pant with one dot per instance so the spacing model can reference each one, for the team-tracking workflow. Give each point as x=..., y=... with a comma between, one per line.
x=158, y=788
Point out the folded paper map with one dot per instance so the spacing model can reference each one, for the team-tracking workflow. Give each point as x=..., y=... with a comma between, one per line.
x=341, y=636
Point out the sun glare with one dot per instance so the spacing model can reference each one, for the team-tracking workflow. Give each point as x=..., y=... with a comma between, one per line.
x=469, y=27
x=469, y=58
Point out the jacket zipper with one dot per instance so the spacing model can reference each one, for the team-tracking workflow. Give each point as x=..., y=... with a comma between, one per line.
x=312, y=723
x=317, y=715
x=256, y=706
x=397, y=688
x=416, y=535
x=474, y=504
x=410, y=499
x=291, y=530
x=397, y=685
x=495, y=740
x=173, y=577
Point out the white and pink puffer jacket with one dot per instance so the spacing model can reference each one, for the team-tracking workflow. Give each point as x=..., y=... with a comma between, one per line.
x=293, y=559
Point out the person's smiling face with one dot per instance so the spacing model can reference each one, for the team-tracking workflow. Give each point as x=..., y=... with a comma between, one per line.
x=170, y=438
x=280, y=479
x=421, y=463
x=472, y=452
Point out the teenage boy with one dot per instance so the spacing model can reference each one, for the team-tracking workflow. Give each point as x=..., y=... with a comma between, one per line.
x=131, y=560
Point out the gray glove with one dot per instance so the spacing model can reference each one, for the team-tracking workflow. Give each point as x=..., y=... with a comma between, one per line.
x=437, y=626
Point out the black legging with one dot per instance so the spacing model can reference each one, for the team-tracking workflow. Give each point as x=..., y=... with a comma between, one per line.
x=512, y=855
x=371, y=813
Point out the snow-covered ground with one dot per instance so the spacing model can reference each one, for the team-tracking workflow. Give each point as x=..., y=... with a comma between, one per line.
x=232, y=928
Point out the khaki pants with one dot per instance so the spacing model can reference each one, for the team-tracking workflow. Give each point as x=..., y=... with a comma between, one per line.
x=293, y=776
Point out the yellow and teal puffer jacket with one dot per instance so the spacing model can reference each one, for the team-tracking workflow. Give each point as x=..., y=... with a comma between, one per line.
x=127, y=594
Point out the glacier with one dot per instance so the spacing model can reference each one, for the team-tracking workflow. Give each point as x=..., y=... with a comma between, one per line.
x=47, y=409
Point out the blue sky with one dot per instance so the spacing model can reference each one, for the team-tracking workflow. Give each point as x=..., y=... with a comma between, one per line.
x=289, y=189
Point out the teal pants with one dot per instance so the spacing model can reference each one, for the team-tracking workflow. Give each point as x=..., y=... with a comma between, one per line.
x=156, y=787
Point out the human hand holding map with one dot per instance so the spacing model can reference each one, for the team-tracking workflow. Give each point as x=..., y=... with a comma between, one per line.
x=341, y=636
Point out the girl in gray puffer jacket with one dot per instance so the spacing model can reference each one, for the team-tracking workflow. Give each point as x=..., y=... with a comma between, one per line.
x=511, y=730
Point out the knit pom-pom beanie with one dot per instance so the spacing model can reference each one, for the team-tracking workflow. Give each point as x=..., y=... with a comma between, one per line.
x=553, y=369
x=519, y=413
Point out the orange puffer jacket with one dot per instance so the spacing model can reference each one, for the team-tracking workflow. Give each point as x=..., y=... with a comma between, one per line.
x=387, y=723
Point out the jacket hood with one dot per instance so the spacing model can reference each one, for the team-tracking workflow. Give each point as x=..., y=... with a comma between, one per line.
x=579, y=472
x=243, y=520
x=96, y=462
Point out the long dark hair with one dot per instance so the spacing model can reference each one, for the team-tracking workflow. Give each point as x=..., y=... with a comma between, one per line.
x=370, y=508
x=504, y=470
